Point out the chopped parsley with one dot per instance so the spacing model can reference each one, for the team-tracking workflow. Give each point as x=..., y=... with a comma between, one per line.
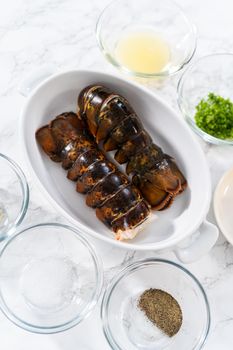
x=214, y=115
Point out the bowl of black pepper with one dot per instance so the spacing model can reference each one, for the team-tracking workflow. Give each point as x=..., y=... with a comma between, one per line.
x=155, y=304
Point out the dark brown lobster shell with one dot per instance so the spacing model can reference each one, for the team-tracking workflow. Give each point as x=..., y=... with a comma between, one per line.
x=118, y=203
x=111, y=119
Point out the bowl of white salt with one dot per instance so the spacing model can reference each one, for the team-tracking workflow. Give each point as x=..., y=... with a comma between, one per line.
x=50, y=278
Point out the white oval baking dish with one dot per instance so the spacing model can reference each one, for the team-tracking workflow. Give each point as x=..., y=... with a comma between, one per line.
x=182, y=227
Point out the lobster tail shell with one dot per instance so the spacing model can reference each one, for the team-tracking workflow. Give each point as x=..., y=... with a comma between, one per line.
x=157, y=197
x=119, y=204
x=96, y=172
x=104, y=190
x=83, y=162
x=91, y=99
x=127, y=224
x=111, y=119
x=47, y=142
x=133, y=146
x=66, y=140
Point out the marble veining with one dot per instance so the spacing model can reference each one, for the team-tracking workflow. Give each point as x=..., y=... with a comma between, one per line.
x=61, y=33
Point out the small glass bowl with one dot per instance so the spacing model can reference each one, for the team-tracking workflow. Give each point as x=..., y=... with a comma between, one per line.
x=212, y=73
x=50, y=278
x=126, y=327
x=163, y=17
x=14, y=196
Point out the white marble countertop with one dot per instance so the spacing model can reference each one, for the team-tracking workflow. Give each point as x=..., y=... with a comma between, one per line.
x=61, y=33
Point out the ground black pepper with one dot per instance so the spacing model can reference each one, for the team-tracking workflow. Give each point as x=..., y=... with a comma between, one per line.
x=161, y=309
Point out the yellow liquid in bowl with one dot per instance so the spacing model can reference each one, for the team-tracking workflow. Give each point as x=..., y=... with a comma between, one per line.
x=143, y=52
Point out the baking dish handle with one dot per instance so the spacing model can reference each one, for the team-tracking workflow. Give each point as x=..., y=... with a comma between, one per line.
x=199, y=244
x=34, y=78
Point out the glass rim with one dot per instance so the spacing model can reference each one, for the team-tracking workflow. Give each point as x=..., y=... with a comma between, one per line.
x=88, y=307
x=137, y=266
x=110, y=58
x=204, y=135
x=25, y=193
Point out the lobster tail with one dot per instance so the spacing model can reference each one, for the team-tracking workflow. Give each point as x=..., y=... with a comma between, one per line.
x=111, y=119
x=119, y=204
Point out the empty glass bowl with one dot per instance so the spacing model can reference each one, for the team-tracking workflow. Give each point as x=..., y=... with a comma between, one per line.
x=14, y=196
x=126, y=327
x=212, y=73
x=50, y=278
x=162, y=17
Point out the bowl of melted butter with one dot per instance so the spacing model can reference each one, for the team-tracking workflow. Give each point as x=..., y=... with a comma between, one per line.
x=146, y=38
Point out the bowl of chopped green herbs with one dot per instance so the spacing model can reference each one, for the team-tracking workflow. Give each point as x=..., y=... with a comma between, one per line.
x=205, y=97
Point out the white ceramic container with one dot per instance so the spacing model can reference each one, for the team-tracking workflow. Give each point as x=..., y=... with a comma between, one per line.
x=181, y=228
x=223, y=203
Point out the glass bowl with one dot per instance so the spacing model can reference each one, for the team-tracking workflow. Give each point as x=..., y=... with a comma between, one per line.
x=212, y=73
x=126, y=327
x=163, y=17
x=50, y=278
x=14, y=196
